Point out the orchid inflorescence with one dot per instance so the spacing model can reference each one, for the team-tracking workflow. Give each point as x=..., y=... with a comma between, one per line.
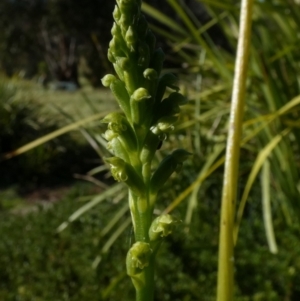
x=134, y=134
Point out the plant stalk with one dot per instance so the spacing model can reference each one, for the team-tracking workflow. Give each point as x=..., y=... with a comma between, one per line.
x=226, y=244
x=146, y=293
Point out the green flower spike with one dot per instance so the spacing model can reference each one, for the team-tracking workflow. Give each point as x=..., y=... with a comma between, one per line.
x=133, y=136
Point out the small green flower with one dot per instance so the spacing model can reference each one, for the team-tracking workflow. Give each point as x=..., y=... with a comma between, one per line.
x=139, y=255
x=162, y=226
x=164, y=125
x=124, y=172
x=117, y=166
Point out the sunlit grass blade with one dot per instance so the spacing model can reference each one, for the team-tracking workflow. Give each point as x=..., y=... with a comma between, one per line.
x=111, y=241
x=210, y=48
x=218, y=149
x=266, y=206
x=117, y=216
x=98, y=169
x=156, y=14
x=190, y=188
x=261, y=158
x=219, y=4
x=53, y=135
x=112, y=285
x=88, y=137
x=95, y=201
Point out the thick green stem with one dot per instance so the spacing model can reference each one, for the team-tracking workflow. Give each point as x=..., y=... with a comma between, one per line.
x=226, y=245
x=142, y=227
x=146, y=293
x=141, y=216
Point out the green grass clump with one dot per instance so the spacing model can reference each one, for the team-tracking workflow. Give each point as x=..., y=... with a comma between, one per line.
x=38, y=264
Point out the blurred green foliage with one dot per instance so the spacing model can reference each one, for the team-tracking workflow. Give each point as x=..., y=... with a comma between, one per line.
x=39, y=264
x=23, y=119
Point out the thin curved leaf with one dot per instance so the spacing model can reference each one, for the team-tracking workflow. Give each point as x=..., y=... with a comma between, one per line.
x=95, y=201
x=266, y=206
x=57, y=133
x=260, y=159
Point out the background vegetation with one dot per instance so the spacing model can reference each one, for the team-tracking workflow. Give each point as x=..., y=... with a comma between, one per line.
x=86, y=260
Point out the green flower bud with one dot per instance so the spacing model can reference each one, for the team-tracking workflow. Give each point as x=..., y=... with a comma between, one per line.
x=113, y=43
x=119, y=90
x=123, y=172
x=117, y=166
x=118, y=126
x=131, y=38
x=124, y=23
x=164, y=125
x=115, y=29
x=118, y=70
x=116, y=122
x=111, y=56
x=138, y=107
x=108, y=79
x=162, y=226
x=150, y=74
x=110, y=135
x=116, y=13
x=117, y=47
x=138, y=256
x=126, y=4
x=140, y=94
x=116, y=146
x=124, y=63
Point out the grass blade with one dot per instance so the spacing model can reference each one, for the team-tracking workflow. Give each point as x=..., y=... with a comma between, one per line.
x=95, y=201
x=111, y=241
x=117, y=216
x=53, y=135
x=260, y=159
x=156, y=14
x=267, y=211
